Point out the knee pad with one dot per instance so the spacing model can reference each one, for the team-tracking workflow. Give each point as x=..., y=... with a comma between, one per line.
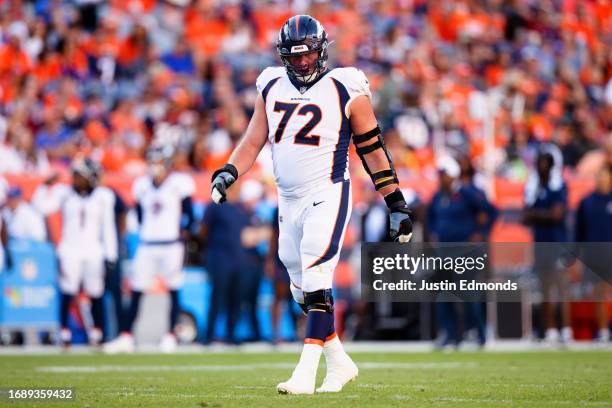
x=320, y=300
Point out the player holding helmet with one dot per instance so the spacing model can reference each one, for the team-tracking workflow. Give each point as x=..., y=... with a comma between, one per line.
x=309, y=114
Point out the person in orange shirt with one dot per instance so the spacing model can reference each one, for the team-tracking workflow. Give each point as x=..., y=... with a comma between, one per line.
x=48, y=68
x=14, y=62
x=205, y=30
x=133, y=52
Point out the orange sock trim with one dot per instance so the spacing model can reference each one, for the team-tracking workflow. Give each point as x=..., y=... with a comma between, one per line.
x=331, y=336
x=313, y=341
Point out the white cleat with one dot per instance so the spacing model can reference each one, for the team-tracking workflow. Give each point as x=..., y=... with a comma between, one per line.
x=168, y=343
x=297, y=385
x=122, y=344
x=303, y=379
x=338, y=375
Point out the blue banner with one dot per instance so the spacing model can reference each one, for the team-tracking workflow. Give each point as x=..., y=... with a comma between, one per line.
x=29, y=289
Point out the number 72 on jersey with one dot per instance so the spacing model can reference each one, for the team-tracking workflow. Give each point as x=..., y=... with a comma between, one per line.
x=302, y=136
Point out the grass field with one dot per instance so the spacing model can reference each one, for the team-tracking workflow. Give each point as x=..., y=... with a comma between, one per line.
x=534, y=379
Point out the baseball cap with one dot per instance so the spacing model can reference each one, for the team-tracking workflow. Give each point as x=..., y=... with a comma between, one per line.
x=448, y=165
x=14, y=192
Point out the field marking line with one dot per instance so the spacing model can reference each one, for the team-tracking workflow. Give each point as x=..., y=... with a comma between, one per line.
x=370, y=365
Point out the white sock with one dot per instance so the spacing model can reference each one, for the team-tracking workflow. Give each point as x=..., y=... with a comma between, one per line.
x=309, y=360
x=333, y=348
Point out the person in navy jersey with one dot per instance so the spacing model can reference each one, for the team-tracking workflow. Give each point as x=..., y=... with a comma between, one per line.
x=221, y=230
x=545, y=212
x=594, y=225
x=458, y=212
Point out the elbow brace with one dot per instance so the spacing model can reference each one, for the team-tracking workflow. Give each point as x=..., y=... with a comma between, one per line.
x=382, y=178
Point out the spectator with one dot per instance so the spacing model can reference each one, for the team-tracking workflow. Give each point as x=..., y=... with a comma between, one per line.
x=21, y=155
x=526, y=62
x=21, y=219
x=180, y=60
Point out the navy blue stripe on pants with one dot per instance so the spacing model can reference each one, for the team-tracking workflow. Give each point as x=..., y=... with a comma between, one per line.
x=334, y=244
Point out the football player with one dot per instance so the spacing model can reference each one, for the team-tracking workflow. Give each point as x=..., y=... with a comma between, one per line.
x=88, y=238
x=309, y=114
x=164, y=211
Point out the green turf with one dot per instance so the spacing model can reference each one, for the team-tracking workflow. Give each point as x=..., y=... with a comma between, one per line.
x=534, y=379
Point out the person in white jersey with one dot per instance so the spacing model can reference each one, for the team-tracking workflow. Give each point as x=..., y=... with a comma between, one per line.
x=309, y=113
x=88, y=238
x=164, y=210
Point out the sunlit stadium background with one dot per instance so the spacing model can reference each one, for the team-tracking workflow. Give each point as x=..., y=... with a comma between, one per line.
x=488, y=82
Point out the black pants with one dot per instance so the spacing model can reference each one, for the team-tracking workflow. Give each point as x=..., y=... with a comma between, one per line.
x=225, y=295
x=251, y=278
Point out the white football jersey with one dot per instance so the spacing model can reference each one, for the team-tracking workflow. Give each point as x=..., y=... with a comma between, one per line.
x=25, y=223
x=88, y=222
x=161, y=206
x=309, y=128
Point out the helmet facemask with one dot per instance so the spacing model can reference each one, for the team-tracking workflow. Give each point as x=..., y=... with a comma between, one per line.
x=320, y=64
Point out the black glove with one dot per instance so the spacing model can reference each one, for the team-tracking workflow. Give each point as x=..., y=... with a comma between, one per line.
x=221, y=180
x=400, y=225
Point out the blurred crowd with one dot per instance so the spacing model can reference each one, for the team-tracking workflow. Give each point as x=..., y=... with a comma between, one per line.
x=470, y=76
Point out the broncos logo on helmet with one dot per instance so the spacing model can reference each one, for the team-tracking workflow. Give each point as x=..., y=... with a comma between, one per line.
x=303, y=34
